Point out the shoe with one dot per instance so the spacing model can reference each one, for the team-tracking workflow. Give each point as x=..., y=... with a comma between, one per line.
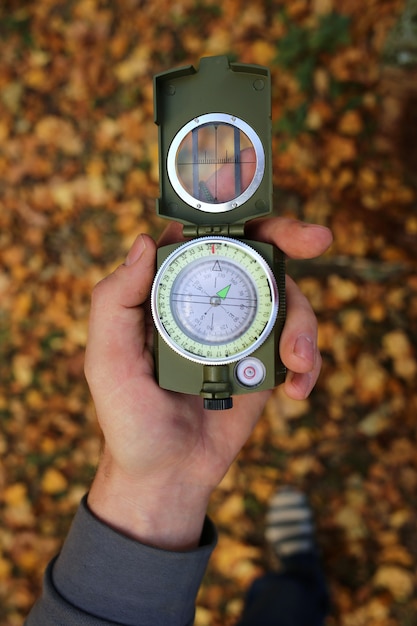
x=289, y=524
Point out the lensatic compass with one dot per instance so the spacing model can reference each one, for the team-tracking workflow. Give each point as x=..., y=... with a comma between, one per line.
x=218, y=300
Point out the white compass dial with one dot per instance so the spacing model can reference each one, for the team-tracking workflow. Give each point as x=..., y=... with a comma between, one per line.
x=214, y=300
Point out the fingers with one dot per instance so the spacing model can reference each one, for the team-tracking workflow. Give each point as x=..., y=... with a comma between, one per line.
x=298, y=346
x=297, y=239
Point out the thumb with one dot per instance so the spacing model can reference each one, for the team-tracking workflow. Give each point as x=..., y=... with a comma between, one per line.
x=116, y=332
x=130, y=283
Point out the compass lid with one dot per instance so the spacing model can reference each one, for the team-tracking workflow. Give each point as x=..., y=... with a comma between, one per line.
x=214, y=143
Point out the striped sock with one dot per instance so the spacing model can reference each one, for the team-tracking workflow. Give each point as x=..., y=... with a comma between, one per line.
x=289, y=523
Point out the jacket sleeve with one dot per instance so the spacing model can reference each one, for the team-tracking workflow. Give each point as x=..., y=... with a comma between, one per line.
x=102, y=578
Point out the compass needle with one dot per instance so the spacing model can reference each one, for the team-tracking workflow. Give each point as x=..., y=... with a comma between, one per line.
x=223, y=292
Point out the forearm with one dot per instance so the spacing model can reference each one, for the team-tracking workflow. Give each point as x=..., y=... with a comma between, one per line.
x=104, y=577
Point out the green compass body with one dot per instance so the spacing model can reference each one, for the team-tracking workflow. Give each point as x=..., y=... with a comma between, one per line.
x=218, y=300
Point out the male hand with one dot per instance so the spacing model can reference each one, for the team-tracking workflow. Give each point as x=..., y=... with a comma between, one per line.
x=164, y=453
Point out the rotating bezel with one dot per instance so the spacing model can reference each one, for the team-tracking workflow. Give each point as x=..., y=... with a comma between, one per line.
x=218, y=353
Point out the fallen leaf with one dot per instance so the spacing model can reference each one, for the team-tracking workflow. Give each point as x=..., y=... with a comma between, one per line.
x=397, y=580
x=53, y=482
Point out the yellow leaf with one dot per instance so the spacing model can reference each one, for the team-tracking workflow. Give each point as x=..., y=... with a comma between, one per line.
x=345, y=290
x=396, y=344
x=36, y=78
x=340, y=150
x=5, y=569
x=53, y=482
x=399, y=581
x=22, y=305
x=396, y=554
x=235, y=559
x=22, y=366
x=351, y=123
x=27, y=559
x=18, y=513
x=15, y=494
x=203, y=617
x=321, y=7
x=263, y=52
x=58, y=132
x=134, y=66
x=352, y=523
x=232, y=507
x=339, y=382
x=34, y=399
x=371, y=378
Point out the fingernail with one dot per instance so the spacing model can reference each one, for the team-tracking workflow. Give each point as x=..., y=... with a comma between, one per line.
x=303, y=383
x=135, y=251
x=305, y=349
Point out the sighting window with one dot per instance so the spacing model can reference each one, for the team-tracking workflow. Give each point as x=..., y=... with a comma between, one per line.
x=216, y=162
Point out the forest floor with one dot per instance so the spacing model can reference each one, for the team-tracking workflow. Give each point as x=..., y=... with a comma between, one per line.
x=78, y=182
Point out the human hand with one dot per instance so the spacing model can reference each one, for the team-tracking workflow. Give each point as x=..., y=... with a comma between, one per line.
x=164, y=454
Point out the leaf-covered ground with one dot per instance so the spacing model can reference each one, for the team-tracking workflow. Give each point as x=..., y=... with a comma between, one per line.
x=78, y=178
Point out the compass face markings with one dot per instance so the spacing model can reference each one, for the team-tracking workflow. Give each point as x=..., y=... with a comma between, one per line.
x=206, y=323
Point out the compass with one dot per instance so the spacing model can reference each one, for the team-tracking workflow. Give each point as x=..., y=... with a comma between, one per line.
x=218, y=300
x=215, y=300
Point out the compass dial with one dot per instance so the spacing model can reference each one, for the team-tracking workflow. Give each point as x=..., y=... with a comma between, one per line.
x=214, y=300
x=216, y=162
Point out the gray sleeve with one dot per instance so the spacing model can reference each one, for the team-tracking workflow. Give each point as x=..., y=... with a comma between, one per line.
x=102, y=577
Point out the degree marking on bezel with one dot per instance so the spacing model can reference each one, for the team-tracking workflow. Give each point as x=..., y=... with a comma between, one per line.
x=173, y=342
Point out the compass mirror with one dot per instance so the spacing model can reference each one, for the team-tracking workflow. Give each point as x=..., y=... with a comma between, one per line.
x=216, y=162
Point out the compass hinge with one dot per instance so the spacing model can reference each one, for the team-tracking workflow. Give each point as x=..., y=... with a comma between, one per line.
x=227, y=230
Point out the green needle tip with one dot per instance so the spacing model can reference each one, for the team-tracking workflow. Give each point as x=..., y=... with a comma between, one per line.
x=223, y=292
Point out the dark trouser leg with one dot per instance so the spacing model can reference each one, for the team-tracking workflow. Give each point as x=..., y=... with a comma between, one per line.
x=296, y=596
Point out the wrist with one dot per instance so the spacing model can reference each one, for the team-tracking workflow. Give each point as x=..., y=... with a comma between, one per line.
x=163, y=513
